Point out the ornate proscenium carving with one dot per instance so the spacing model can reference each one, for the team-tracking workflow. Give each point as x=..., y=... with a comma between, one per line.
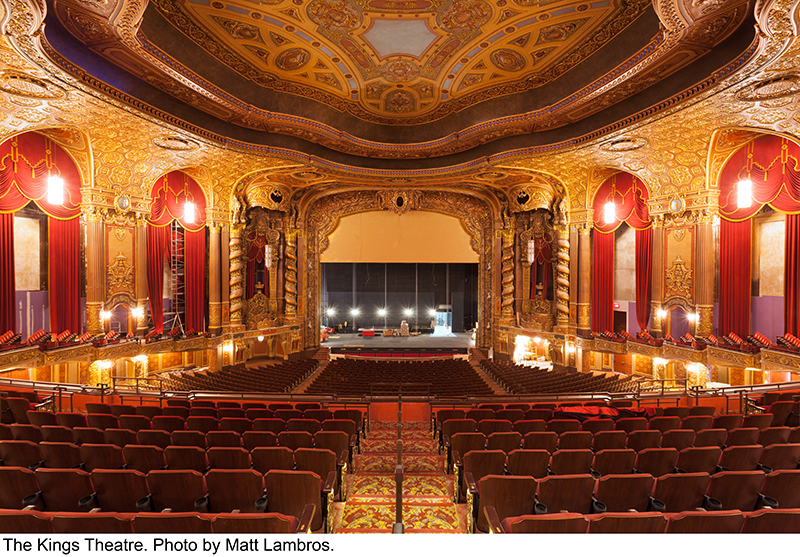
x=259, y=315
x=120, y=274
x=290, y=275
x=398, y=201
x=507, y=270
x=562, y=275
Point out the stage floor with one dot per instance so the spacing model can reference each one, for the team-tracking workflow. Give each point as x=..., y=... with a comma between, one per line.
x=460, y=340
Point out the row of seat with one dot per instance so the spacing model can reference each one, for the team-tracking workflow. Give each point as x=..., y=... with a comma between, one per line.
x=658, y=461
x=774, y=521
x=219, y=491
x=37, y=522
x=518, y=379
x=512, y=496
x=190, y=438
x=275, y=378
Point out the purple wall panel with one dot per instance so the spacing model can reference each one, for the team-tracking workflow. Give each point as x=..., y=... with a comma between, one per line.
x=766, y=316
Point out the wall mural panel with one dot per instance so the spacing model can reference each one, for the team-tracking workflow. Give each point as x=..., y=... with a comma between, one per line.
x=120, y=263
x=679, y=266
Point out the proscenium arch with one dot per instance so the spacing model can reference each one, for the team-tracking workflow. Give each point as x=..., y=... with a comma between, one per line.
x=321, y=217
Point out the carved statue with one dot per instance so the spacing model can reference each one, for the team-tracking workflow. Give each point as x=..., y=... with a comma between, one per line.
x=236, y=210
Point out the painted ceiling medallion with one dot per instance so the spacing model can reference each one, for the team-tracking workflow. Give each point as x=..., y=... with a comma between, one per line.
x=24, y=85
x=334, y=14
x=292, y=59
x=400, y=71
x=465, y=15
x=508, y=60
x=624, y=144
x=774, y=88
x=175, y=143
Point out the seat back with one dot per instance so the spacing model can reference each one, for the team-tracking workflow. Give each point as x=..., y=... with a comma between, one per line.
x=571, y=461
x=57, y=434
x=700, y=522
x=664, y=423
x=224, y=439
x=228, y=458
x=16, y=483
x=614, y=461
x=303, y=424
x=597, y=425
x=609, y=440
x=702, y=411
x=295, y=439
x=656, y=462
x=144, y=458
x=506, y=441
x=561, y=426
x=627, y=523
x=259, y=414
x=102, y=421
x=84, y=435
x=26, y=432
x=357, y=416
x=728, y=421
x=526, y=426
x=699, y=459
x=782, y=457
x=451, y=427
x=135, y=422
x=760, y=421
x=678, y=438
x=98, y=408
x=320, y=461
x=230, y=490
x=230, y=413
x=287, y=414
x=697, y=423
x=742, y=458
x=269, y=523
x=60, y=455
x=509, y=495
x=643, y=439
x=772, y=521
x=631, y=424
x=623, y=492
x=102, y=457
x=711, y=438
x=544, y=414
x=480, y=414
x=487, y=427
x=176, y=411
x=189, y=438
x=512, y=415
x=62, y=489
x=118, y=490
x=202, y=423
x=575, y=440
x=235, y=424
x=185, y=458
x=737, y=490
x=784, y=487
x=769, y=436
x=348, y=426
x=318, y=414
x=254, y=439
x=679, y=411
x=19, y=453
x=71, y=419
x=24, y=522
x=272, y=458
x=120, y=437
x=564, y=523
x=168, y=423
x=483, y=463
x=274, y=425
x=289, y=491
x=547, y=440
x=175, y=489
x=681, y=492
x=528, y=462
x=466, y=442
x=335, y=441
x=156, y=437
x=41, y=418
x=780, y=412
x=567, y=493
x=449, y=414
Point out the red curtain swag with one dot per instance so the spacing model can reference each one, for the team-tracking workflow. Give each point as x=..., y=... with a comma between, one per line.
x=157, y=253
x=602, y=281
x=791, y=320
x=169, y=196
x=629, y=196
x=734, y=277
x=8, y=305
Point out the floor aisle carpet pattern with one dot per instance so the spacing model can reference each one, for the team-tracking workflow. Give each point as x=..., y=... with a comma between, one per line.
x=427, y=502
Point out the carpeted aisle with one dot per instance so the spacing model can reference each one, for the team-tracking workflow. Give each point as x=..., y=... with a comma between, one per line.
x=427, y=498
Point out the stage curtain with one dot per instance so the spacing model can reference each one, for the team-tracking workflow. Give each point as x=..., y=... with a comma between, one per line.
x=65, y=275
x=734, y=277
x=195, y=275
x=169, y=195
x=791, y=320
x=26, y=161
x=770, y=162
x=157, y=253
x=644, y=269
x=255, y=255
x=8, y=305
x=629, y=196
x=602, y=281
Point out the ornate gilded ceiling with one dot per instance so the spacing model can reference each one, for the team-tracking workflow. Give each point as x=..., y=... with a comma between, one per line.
x=362, y=81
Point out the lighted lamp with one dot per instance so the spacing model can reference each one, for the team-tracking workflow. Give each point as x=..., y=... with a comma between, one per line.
x=55, y=190
x=188, y=212
x=744, y=194
x=609, y=213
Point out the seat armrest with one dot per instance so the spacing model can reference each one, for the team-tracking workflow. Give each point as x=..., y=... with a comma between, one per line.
x=343, y=458
x=494, y=521
x=304, y=526
x=457, y=460
x=469, y=481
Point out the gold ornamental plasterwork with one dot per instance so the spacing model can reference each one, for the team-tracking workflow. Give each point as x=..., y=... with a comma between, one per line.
x=678, y=281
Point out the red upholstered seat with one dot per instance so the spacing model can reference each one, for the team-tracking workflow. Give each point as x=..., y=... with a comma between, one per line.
x=627, y=523
x=701, y=522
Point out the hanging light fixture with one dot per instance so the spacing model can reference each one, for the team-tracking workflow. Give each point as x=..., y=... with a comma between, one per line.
x=744, y=194
x=609, y=213
x=188, y=212
x=55, y=190
x=268, y=255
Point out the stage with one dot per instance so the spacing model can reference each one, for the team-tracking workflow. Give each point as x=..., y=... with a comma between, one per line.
x=351, y=343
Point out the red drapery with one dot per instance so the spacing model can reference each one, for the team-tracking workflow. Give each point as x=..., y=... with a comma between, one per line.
x=169, y=195
x=734, y=277
x=644, y=271
x=65, y=274
x=157, y=252
x=602, y=281
x=791, y=314
x=8, y=305
x=255, y=258
x=26, y=163
x=195, y=246
x=543, y=254
x=629, y=196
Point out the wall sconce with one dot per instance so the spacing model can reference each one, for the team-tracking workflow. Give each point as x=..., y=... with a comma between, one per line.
x=531, y=252
x=137, y=312
x=268, y=256
x=693, y=318
x=105, y=315
x=260, y=338
x=744, y=194
x=140, y=358
x=105, y=364
x=55, y=190
x=609, y=213
x=662, y=313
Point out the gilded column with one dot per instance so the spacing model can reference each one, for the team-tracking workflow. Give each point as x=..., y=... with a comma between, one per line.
x=704, y=288
x=95, y=276
x=507, y=272
x=290, y=273
x=236, y=263
x=225, y=271
x=657, y=284
x=141, y=274
x=214, y=279
x=562, y=276
x=585, y=278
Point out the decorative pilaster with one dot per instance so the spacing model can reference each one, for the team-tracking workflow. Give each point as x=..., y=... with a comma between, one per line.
x=657, y=284
x=225, y=272
x=95, y=277
x=585, y=278
x=290, y=283
x=214, y=279
x=704, y=287
x=507, y=271
x=562, y=276
x=141, y=274
x=236, y=264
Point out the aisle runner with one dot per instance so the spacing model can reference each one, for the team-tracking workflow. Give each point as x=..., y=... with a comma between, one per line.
x=427, y=504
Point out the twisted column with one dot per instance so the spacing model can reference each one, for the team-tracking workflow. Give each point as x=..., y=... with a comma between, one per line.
x=290, y=273
x=507, y=271
x=562, y=275
x=236, y=275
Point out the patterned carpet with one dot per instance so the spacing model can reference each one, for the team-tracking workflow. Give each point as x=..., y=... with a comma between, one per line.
x=427, y=504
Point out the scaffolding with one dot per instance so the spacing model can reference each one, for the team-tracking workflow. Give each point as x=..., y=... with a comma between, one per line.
x=175, y=316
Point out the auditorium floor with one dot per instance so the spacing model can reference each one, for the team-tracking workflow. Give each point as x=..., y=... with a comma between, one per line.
x=427, y=492
x=460, y=340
